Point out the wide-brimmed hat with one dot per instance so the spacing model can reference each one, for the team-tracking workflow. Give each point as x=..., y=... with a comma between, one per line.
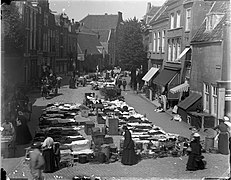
x=196, y=135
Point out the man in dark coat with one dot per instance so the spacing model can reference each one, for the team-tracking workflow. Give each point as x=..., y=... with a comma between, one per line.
x=129, y=156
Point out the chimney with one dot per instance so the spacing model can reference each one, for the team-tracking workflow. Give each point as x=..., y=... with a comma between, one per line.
x=73, y=21
x=120, y=18
x=149, y=7
x=105, y=13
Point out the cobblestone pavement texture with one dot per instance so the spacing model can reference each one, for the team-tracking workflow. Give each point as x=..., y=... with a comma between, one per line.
x=160, y=168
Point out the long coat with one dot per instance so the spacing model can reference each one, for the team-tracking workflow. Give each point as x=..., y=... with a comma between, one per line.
x=129, y=156
x=195, y=161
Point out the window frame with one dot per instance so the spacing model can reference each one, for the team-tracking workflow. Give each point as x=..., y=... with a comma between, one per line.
x=173, y=50
x=158, y=42
x=205, y=97
x=163, y=42
x=169, y=50
x=188, y=16
x=178, y=16
x=154, y=42
x=172, y=21
x=213, y=100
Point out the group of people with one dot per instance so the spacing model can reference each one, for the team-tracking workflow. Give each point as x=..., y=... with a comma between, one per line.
x=45, y=157
x=121, y=82
x=50, y=83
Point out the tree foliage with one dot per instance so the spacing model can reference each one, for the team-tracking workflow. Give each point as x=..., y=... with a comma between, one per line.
x=13, y=30
x=130, y=50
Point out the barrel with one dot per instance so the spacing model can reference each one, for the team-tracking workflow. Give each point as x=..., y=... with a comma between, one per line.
x=209, y=143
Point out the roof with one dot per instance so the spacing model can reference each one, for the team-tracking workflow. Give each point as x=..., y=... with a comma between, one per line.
x=153, y=10
x=161, y=14
x=215, y=34
x=88, y=42
x=189, y=101
x=100, y=24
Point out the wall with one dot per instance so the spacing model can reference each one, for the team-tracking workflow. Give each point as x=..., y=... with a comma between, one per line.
x=206, y=60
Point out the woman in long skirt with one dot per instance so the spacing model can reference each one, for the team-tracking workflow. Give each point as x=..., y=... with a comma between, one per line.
x=129, y=156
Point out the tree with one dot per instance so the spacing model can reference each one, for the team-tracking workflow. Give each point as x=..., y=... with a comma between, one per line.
x=130, y=49
x=13, y=30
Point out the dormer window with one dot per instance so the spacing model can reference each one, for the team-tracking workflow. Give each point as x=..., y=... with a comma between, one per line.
x=212, y=20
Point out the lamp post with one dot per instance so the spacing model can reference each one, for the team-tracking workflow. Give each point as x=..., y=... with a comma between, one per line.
x=149, y=60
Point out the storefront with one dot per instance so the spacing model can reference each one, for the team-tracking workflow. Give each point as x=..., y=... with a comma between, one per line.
x=152, y=73
x=167, y=79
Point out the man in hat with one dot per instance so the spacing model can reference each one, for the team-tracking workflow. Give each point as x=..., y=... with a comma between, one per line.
x=36, y=161
x=223, y=137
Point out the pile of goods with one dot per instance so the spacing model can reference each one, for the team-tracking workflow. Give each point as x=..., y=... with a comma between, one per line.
x=63, y=122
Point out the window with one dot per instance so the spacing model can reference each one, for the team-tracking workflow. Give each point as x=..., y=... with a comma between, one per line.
x=206, y=98
x=158, y=42
x=212, y=20
x=35, y=30
x=49, y=40
x=214, y=100
x=172, y=21
x=31, y=29
x=178, y=48
x=178, y=19
x=173, y=50
x=169, y=50
x=163, y=41
x=188, y=19
x=154, y=42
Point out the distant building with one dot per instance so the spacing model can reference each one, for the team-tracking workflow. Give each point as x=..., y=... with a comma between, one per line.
x=105, y=26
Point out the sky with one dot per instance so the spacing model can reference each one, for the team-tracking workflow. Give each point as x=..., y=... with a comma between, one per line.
x=78, y=9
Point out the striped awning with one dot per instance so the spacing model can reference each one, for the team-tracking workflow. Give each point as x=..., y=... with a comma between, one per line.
x=180, y=88
x=150, y=74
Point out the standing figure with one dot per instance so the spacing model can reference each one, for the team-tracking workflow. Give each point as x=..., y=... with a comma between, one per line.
x=195, y=159
x=49, y=155
x=124, y=83
x=36, y=161
x=223, y=137
x=57, y=156
x=129, y=156
x=23, y=135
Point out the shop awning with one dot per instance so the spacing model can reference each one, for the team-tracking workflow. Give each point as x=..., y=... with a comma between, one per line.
x=180, y=88
x=165, y=76
x=189, y=101
x=182, y=54
x=150, y=74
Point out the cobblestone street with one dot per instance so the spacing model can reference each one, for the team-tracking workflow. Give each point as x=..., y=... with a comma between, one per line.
x=168, y=167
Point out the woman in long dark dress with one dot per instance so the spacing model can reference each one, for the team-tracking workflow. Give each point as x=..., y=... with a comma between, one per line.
x=195, y=159
x=23, y=135
x=129, y=156
x=49, y=155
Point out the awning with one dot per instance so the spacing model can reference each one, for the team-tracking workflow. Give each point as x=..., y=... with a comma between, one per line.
x=150, y=74
x=180, y=88
x=189, y=101
x=182, y=54
x=164, y=77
